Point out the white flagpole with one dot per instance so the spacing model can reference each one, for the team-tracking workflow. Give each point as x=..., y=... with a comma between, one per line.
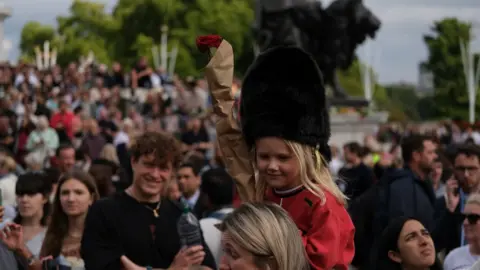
x=366, y=71
x=471, y=77
x=38, y=56
x=46, y=54
x=90, y=57
x=164, y=47
x=173, y=61
x=156, y=61
x=53, y=59
x=471, y=84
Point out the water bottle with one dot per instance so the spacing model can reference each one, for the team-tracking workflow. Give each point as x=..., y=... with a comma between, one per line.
x=189, y=229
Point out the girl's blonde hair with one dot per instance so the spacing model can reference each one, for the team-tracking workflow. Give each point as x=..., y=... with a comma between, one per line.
x=267, y=232
x=314, y=174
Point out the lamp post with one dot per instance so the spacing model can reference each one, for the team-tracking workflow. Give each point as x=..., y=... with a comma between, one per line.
x=472, y=74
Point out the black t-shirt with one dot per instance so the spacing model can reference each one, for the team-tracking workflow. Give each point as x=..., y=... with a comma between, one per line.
x=116, y=79
x=143, y=82
x=356, y=180
x=120, y=225
x=190, y=137
x=43, y=110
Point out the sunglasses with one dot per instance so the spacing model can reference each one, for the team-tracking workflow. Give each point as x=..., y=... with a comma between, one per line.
x=471, y=218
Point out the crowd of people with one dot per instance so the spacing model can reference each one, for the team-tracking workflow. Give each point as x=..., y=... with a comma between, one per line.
x=97, y=165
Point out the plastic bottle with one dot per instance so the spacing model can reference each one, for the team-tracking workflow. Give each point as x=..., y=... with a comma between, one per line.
x=189, y=229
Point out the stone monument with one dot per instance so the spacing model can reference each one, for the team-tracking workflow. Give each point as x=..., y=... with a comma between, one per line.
x=5, y=12
x=330, y=34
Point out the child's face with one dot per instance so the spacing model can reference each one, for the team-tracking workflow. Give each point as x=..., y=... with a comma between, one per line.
x=277, y=164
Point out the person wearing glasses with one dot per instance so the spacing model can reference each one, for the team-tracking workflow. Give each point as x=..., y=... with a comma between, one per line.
x=465, y=256
x=465, y=181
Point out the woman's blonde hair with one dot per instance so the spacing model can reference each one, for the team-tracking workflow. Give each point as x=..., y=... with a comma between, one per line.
x=7, y=163
x=109, y=152
x=267, y=232
x=474, y=199
x=314, y=174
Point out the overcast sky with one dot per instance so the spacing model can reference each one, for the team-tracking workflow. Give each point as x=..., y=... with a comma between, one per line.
x=396, y=51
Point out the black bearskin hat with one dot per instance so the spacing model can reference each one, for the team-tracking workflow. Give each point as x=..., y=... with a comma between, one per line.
x=283, y=95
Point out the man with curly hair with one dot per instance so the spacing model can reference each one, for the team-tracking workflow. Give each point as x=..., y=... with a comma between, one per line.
x=138, y=226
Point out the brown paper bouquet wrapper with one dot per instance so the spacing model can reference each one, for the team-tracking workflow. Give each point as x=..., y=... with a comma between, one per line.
x=235, y=153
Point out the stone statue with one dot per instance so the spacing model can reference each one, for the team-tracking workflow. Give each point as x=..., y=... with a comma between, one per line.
x=330, y=34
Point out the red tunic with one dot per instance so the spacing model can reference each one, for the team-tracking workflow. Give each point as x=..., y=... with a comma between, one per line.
x=327, y=230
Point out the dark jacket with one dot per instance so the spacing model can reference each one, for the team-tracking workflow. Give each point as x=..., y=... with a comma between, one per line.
x=404, y=194
x=451, y=240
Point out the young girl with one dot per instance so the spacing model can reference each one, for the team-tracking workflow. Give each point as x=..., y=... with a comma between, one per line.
x=280, y=152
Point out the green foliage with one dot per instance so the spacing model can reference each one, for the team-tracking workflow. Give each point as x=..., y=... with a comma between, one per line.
x=445, y=62
x=351, y=80
x=134, y=27
x=406, y=98
x=34, y=34
x=185, y=20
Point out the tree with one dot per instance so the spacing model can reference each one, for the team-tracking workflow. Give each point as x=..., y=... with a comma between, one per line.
x=445, y=63
x=34, y=34
x=185, y=20
x=406, y=98
x=87, y=28
x=351, y=79
x=135, y=26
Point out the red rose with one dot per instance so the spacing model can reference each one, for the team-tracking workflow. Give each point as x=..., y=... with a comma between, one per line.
x=204, y=43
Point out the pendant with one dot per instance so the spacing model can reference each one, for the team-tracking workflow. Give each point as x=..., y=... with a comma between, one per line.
x=155, y=213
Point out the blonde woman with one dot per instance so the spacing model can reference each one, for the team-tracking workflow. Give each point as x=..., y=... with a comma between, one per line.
x=465, y=256
x=109, y=152
x=280, y=151
x=261, y=236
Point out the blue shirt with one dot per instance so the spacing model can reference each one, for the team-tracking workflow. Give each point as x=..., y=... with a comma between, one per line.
x=463, y=199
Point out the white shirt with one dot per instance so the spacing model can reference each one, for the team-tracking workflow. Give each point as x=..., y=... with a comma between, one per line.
x=335, y=165
x=120, y=138
x=192, y=201
x=212, y=235
x=7, y=186
x=460, y=259
x=476, y=266
x=32, y=79
x=474, y=135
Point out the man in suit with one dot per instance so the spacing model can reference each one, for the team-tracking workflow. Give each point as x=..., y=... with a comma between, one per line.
x=189, y=180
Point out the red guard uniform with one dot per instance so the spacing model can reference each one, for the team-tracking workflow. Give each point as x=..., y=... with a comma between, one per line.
x=327, y=230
